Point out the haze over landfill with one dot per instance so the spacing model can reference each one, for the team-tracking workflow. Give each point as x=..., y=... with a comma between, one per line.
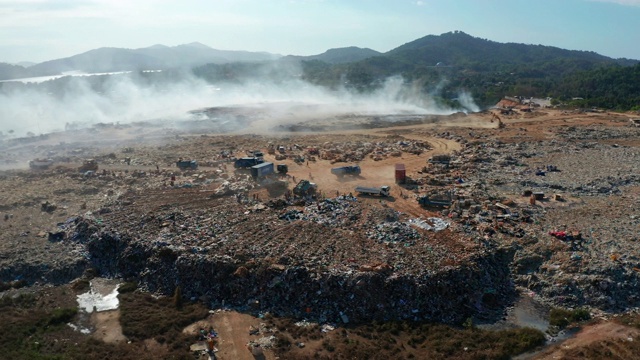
x=338, y=182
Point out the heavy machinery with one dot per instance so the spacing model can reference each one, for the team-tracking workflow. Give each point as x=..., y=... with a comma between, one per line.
x=496, y=117
x=40, y=163
x=304, y=188
x=88, y=165
x=427, y=201
x=381, y=191
x=346, y=170
x=247, y=162
x=187, y=164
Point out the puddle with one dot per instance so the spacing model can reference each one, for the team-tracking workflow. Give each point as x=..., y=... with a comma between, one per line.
x=102, y=296
x=79, y=328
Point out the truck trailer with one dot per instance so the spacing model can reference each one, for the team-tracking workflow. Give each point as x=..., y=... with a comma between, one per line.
x=262, y=170
x=381, y=191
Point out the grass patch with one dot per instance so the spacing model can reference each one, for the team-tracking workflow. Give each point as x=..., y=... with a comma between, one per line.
x=563, y=317
x=143, y=317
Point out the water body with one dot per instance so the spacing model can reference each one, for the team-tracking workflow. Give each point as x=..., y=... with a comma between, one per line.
x=102, y=296
x=39, y=79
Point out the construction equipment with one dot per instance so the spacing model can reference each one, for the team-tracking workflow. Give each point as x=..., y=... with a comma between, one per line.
x=496, y=117
x=304, y=188
x=40, y=164
x=346, y=170
x=439, y=201
x=381, y=191
x=247, y=162
x=187, y=164
x=88, y=165
x=426, y=201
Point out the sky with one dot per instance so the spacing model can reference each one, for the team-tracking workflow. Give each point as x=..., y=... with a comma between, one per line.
x=40, y=30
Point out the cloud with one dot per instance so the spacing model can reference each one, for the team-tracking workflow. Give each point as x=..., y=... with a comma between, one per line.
x=620, y=2
x=419, y=3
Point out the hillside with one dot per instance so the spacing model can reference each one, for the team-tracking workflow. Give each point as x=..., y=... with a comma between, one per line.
x=153, y=57
x=456, y=62
x=339, y=55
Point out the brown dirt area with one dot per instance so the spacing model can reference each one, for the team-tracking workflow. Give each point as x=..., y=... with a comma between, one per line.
x=597, y=154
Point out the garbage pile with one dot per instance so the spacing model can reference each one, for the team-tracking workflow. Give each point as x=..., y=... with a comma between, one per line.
x=357, y=151
x=320, y=264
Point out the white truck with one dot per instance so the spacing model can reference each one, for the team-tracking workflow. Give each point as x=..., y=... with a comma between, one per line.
x=382, y=190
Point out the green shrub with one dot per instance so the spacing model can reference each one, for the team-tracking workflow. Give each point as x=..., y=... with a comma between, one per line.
x=562, y=317
x=62, y=316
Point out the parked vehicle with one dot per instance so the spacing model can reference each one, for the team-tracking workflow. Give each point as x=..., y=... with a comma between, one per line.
x=346, y=170
x=247, y=162
x=282, y=169
x=187, y=164
x=381, y=191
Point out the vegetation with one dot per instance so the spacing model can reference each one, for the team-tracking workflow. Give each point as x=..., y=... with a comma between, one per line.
x=35, y=327
x=406, y=340
x=442, y=66
x=562, y=317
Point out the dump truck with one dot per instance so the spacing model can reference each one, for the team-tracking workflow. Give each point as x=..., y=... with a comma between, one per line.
x=261, y=170
x=88, y=165
x=247, y=162
x=304, y=188
x=40, y=163
x=382, y=190
x=346, y=170
x=187, y=164
x=427, y=201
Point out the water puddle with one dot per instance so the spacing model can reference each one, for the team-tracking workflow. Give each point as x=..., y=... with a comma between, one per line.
x=102, y=296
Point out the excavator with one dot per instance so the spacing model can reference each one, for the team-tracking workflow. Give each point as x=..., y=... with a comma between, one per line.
x=496, y=117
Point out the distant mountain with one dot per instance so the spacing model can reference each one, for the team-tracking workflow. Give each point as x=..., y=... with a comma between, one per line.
x=8, y=71
x=460, y=49
x=339, y=55
x=153, y=57
x=25, y=64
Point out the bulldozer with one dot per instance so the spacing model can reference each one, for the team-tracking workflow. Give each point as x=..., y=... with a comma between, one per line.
x=88, y=165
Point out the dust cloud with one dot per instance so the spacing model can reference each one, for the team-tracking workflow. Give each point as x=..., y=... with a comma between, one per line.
x=76, y=102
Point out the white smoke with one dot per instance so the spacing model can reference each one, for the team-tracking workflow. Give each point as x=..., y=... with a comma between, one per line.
x=31, y=110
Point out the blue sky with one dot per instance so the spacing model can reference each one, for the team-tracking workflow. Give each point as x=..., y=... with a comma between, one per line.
x=39, y=30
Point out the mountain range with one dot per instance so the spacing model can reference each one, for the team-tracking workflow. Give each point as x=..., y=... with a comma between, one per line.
x=450, y=49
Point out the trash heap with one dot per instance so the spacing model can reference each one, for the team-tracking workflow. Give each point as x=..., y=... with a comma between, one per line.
x=358, y=151
x=322, y=265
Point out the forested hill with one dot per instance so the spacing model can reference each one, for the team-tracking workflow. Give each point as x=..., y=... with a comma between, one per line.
x=488, y=70
x=465, y=51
